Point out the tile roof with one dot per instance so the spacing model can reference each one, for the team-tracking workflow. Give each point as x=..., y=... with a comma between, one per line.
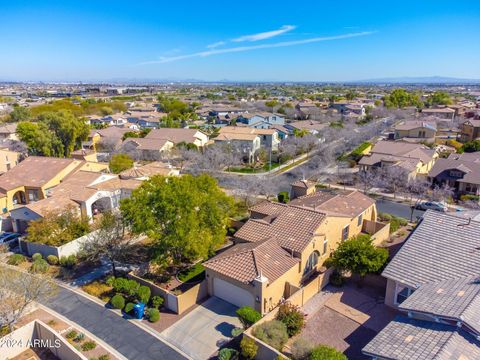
x=456, y=299
x=34, y=171
x=151, y=169
x=442, y=247
x=147, y=144
x=113, y=132
x=245, y=262
x=410, y=339
x=415, y=124
x=471, y=169
x=294, y=227
x=240, y=130
x=174, y=135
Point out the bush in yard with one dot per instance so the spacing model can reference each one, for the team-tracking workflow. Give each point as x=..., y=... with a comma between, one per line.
x=301, y=349
x=126, y=286
x=227, y=354
x=129, y=307
x=237, y=331
x=273, y=332
x=16, y=259
x=359, y=256
x=248, y=316
x=118, y=301
x=248, y=348
x=68, y=261
x=37, y=256
x=283, y=197
x=153, y=315
x=143, y=294
x=89, y=345
x=72, y=334
x=336, y=279
x=323, y=352
x=79, y=338
x=110, y=280
x=39, y=266
x=157, y=302
x=52, y=260
x=292, y=317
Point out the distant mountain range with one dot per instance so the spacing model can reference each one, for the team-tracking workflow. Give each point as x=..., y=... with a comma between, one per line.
x=419, y=80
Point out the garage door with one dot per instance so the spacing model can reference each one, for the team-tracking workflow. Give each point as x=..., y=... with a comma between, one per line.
x=232, y=294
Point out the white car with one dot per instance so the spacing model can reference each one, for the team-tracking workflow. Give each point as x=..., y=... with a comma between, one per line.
x=432, y=205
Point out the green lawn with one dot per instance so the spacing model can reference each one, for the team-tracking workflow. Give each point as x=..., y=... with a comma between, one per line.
x=249, y=170
x=194, y=273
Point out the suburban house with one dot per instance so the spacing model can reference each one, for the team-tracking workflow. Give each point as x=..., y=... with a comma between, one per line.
x=470, y=130
x=146, y=149
x=313, y=127
x=444, y=113
x=146, y=171
x=459, y=171
x=8, y=131
x=145, y=119
x=415, y=159
x=88, y=193
x=247, y=143
x=109, y=120
x=416, y=131
x=283, y=246
x=32, y=179
x=111, y=137
x=92, y=140
x=176, y=136
x=269, y=138
x=261, y=120
x=283, y=131
x=434, y=282
x=8, y=159
x=305, y=109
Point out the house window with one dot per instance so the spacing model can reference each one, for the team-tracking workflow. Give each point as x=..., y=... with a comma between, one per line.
x=360, y=220
x=32, y=195
x=456, y=173
x=311, y=262
x=403, y=294
x=345, y=233
x=325, y=245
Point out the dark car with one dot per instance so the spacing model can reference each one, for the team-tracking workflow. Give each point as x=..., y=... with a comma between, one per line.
x=9, y=238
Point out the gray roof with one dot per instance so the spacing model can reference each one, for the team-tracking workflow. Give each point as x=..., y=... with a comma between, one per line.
x=455, y=299
x=410, y=339
x=442, y=247
x=471, y=169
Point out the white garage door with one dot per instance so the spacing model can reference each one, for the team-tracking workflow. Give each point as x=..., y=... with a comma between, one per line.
x=232, y=294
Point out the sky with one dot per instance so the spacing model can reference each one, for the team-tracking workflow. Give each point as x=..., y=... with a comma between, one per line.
x=91, y=40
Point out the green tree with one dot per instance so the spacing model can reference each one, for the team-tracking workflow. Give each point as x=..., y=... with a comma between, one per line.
x=248, y=348
x=271, y=104
x=471, y=146
x=19, y=113
x=400, y=98
x=439, y=98
x=359, y=256
x=120, y=162
x=186, y=216
x=324, y=352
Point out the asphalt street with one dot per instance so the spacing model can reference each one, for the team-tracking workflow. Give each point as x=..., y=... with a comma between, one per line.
x=125, y=337
x=397, y=209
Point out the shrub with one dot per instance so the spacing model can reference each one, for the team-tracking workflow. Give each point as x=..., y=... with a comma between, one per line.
x=126, y=286
x=273, y=332
x=336, y=279
x=236, y=331
x=104, y=357
x=110, y=280
x=143, y=294
x=39, y=266
x=99, y=290
x=248, y=348
x=79, y=337
x=72, y=334
x=323, y=352
x=118, y=301
x=16, y=259
x=227, y=354
x=292, y=317
x=89, y=345
x=52, y=260
x=157, y=302
x=469, y=197
x=153, y=315
x=68, y=261
x=301, y=349
x=283, y=197
x=129, y=307
x=248, y=316
x=37, y=256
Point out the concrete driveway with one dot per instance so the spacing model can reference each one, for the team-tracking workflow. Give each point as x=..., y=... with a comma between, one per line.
x=200, y=333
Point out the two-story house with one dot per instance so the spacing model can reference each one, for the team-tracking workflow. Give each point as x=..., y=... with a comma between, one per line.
x=416, y=131
x=470, y=130
x=261, y=120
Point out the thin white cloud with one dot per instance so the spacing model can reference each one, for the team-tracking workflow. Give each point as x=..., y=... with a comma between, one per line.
x=265, y=35
x=215, y=45
x=212, y=52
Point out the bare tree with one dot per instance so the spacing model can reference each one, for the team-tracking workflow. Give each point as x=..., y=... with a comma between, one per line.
x=368, y=179
x=109, y=241
x=18, y=291
x=442, y=193
x=416, y=191
x=393, y=179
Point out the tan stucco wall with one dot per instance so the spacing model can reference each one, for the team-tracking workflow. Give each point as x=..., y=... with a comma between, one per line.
x=8, y=157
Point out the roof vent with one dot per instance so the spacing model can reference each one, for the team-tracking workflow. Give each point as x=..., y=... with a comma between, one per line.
x=439, y=291
x=408, y=338
x=461, y=293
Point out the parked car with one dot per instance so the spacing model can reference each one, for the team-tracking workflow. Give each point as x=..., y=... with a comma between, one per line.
x=9, y=238
x=432, y=205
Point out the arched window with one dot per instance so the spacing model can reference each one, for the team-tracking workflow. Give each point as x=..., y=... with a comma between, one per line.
x=311, y=262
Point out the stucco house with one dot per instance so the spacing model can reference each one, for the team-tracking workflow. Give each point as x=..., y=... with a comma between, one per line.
x=8, y=131
x=8, y=159
x=282, y=246
x=269, y=138
x=247, y=143
x=261, y=120
x=434, y=282
x=470, y=130
x=188, y=136
x=459, y=171
x=416, y=131
x=146, y=149
x=415, y=159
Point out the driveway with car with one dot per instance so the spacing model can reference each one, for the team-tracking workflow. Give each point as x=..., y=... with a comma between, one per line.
x=200, y=333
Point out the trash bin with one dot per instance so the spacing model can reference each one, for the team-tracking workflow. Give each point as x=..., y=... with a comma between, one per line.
x=139, y=310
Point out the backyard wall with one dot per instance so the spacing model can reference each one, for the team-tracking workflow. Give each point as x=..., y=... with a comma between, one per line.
x=379, y=232
x=71, y=248
x=176, y=303
x=37, y=330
